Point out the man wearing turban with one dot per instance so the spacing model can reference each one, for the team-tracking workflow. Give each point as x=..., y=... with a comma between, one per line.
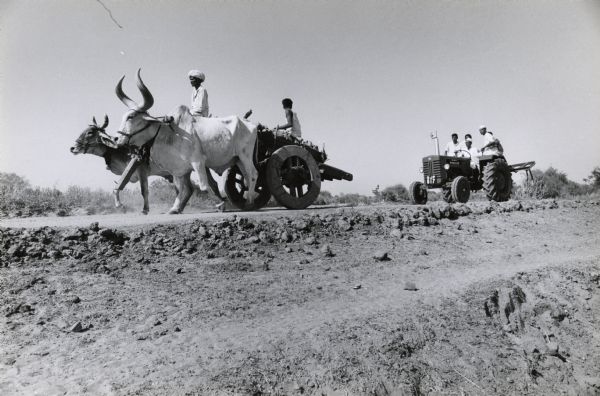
x=199, y=96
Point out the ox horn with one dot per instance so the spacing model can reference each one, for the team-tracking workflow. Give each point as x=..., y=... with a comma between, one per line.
x=105, y=124
x=148, y=99
x=124, y=98
x=94, y=121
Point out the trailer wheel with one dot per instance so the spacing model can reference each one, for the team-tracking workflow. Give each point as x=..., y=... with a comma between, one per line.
x=417, y=193
x=497, y=180
x=461, y=189
x=293, y=177
x=235, y=188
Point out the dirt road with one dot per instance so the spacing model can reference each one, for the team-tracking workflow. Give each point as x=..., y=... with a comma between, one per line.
x=123, y=220
x=465, y=299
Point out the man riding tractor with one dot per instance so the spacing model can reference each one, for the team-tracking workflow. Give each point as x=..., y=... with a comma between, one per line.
x=458, y=175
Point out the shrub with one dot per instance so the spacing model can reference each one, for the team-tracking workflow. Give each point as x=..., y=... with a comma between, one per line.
x=594, y=179
x=352, y=199
x=395, y=193
x=163, y=192
x=11, y=182
x=550, y=183
x=324, y=198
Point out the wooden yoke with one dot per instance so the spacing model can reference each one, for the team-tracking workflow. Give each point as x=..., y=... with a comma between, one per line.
x=129, y=170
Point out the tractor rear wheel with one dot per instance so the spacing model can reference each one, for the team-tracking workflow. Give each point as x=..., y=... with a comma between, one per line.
x=497, y=180
x=460, y=190
x=235, y=188
x=293, y=177
x=447, y=195
x=417, y=193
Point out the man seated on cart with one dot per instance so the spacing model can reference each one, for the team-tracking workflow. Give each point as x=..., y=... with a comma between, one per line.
x=292, y=119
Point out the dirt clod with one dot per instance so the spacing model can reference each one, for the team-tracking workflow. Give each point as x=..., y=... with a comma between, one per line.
x=381, y=255
x=327, y=251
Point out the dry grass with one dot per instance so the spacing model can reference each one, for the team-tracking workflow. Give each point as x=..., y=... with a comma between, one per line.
x=19, y=199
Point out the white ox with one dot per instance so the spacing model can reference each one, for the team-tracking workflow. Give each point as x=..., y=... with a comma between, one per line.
x=182, y=142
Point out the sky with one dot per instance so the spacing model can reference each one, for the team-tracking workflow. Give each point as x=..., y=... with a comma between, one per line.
x=370, y=80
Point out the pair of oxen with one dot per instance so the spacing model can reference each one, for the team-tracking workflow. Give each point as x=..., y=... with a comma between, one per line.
x=178, y=144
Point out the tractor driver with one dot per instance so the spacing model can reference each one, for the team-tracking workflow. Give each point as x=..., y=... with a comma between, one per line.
x=491, y=145
x=199, y=96
x=292, y=119
x=470, y=151
x=453, y=147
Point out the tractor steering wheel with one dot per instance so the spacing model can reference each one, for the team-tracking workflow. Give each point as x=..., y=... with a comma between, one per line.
x=458, y=151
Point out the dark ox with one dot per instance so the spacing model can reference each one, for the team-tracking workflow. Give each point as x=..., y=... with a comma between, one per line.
x=94, y=140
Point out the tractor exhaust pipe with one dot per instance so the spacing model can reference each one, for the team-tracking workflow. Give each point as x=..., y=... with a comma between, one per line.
x=434, y=136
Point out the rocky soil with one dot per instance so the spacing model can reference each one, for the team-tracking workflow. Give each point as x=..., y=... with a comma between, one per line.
x=481, y=298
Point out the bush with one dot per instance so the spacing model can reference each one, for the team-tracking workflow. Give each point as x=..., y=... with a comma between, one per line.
x=352, y=199
x=395, y=193
x=550, y=183
x=162, y=192
x=594, y=179
x=324, y=198
x=530, y=189
x=11, y=182
x=19, y=198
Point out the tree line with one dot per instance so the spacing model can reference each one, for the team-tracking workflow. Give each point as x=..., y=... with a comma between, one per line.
x=19, y=198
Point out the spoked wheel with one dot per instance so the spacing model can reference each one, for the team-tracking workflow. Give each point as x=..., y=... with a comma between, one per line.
x=293, y=177
x=461, y=189
x=417, y=193
x=236, y=190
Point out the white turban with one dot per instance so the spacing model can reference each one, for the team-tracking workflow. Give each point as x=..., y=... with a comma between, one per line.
x=482, y=127
x=196, y=73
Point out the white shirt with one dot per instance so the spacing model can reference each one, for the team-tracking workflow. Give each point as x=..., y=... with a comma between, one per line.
x=200, y=102
x=495, y=149
x=451, y=148
x=473, y=151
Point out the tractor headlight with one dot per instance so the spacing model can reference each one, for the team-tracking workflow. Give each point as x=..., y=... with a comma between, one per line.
x=446, y=166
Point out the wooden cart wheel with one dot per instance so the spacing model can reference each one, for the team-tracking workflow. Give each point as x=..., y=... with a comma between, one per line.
x=235, y=188
x=293, y=177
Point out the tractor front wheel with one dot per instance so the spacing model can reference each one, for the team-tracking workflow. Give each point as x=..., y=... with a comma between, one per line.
x=497, y=180
x=460, y=190
x=417, y=193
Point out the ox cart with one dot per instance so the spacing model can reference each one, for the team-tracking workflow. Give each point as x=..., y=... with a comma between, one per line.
x=289, y=169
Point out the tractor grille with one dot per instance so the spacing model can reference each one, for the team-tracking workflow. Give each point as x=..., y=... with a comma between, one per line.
x=432, y=168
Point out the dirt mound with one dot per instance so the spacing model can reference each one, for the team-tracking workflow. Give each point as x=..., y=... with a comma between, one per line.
x=541, y=327
x=215, y=239
x=444, y=299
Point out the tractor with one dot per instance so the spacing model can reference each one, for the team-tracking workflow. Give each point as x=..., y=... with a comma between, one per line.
x=457, y=178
